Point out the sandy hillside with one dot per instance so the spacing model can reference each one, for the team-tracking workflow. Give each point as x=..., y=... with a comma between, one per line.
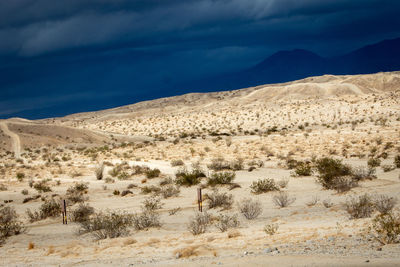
x=136, y=162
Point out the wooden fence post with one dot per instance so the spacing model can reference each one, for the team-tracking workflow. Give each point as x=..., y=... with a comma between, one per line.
x=200, y=199
x=64, y=211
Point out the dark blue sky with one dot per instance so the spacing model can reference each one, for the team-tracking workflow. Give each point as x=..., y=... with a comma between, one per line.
x=59, y=57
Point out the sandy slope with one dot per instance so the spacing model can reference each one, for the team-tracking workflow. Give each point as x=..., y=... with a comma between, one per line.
x=351, y=118
x=16, y=145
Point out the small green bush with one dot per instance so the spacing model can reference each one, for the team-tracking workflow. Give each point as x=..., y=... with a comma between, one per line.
x=177, y=162
x=42, y=186
x=152, y=173
x=50, y=208
x=374, y=162
x=187, y=178
x=303, y=169
x=9, y=223
x=81, y=213
x=221, y=178
x=330, y=170
x=397, y=161
x=263, y=186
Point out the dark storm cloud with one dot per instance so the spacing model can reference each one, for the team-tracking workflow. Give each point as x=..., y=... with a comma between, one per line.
x=29, y=28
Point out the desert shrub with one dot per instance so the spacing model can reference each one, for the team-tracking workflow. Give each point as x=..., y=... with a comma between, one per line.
x=360, y=207
x=219, y=164
x=263, y=186
x=166, y=181
x=151, y=204
x=107, y=225
x=283, y=200
x=361, y=173
x=221, y=178
x=217, y=199
x=397, y=161
x=170, y=191
x=250, y=209
x=42, y=186
x=79, y=187
x=387, y=227
x=271, y=228
x=303, y=169
x=384, y=204
x=27, y=199
x=374, y=162
x=291, y=163
x=199, y=223
x=152, y=173
x=109, y=180
x=81, y=213
x=9, y=223
x=224, y=222
x=313, y=201
x=116, y=192
x=130, y=186
x=25, y=192
x=50, y=208
x=20, y=176
x=388, y=168
x=237, y=164
x=327, y=203
x=75, y=193
x=145, y=220
x=344, y=183
x=3, y=187
x=189, y=178
x=177, y=162
x=126, y=192
x=329, y=170
x=150, y=189
x=99, y=172
x=283, y=183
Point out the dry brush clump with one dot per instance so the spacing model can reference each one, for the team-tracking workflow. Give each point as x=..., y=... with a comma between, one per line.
x=264, y=186
x=107, y=225
x=283, y=200
x=170, y=191
x=225, y=222
x=384, y=204
x=271, y=228
x=360, y=207
x=199, y=223
x=76, y=193
x=387, y=227
x=9, y=223
x=81, y=213
x=250, y=208
x=50, y=208
x=217, y=199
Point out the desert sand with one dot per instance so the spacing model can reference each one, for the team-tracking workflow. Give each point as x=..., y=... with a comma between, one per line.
x=350, y=118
